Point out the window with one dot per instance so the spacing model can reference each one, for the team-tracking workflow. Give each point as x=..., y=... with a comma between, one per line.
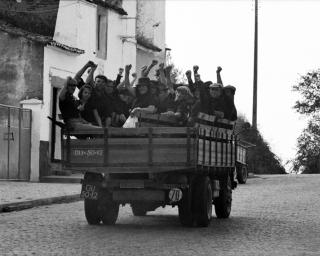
x=102, y=29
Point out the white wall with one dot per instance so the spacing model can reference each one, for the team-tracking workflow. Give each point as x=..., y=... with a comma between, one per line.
x=76, y=26
x=149, y=14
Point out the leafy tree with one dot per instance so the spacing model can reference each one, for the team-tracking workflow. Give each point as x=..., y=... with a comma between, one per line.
x=260, y=158
x=308, y=143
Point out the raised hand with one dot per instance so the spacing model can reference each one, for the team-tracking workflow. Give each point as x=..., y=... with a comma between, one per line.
x=121, y=71
x=144, y=71
x=127, y=68
x=195, y=69
x=188, y=73
x=154, y=62
x=219, y=69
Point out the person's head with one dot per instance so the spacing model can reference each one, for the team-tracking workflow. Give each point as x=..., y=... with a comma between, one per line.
x=71, y=85
x=124, y=95
x=197, y=78
x=163, y=89
x=196, y=93
x=229, y=91
x=183, y=93
x=215, y=90
x=154, y=87
x=143, y=85
x=109, y=87
x=100, y=80
x=85, y=92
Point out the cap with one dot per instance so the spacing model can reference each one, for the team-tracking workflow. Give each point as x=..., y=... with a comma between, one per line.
x=229, y=87
x=215, y=85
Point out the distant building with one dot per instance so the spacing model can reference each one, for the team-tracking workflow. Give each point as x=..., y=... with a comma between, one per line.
x=43, y=43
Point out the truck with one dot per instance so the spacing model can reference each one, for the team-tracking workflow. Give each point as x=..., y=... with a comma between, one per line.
x=157, y=164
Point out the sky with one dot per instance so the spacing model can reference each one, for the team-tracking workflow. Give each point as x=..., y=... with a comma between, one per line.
x=213, y=33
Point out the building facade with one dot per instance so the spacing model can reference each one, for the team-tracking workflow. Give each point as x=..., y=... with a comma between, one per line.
x=45, y=43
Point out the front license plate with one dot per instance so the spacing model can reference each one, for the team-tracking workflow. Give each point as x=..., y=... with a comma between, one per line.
x=89, y=191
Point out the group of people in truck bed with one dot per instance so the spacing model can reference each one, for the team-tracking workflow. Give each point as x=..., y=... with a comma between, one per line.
x=103, y=102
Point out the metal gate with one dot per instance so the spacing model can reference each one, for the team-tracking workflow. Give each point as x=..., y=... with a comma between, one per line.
x=15, y=146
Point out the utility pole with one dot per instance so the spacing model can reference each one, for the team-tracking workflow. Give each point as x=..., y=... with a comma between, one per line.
x=255, y=68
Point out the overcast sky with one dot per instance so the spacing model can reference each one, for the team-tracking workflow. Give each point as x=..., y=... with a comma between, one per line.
x=211, y=33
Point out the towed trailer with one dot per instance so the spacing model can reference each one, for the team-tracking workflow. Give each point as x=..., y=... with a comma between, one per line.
x=192, y=168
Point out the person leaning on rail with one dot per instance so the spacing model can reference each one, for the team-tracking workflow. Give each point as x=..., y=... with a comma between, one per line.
x=69, y=107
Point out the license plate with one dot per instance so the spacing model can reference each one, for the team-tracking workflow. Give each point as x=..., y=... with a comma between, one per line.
x=89, y=191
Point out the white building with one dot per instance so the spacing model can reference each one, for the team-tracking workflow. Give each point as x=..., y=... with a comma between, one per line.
x=110, y=33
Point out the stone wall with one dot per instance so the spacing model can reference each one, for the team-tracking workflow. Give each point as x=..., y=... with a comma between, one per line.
x=21, y=69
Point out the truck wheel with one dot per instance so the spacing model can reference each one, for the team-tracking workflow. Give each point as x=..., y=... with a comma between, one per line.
x=242, y=174
x=222, y=204
x=203, y=202
x=109, y=212
x=185, y=210
x=138, y=209
x=91, y=207
x=91, y=211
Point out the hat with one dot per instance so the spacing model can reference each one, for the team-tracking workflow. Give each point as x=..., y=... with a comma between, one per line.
x=230, y=87
x=215, y=85
x=143, y=81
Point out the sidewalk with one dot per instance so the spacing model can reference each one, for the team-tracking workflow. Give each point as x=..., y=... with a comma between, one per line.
x=16, y=196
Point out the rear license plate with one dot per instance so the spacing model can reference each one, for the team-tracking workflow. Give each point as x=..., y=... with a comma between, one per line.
x=89, y=191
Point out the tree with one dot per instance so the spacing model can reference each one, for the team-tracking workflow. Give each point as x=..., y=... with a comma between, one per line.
x=308, y=143
x=260, y=158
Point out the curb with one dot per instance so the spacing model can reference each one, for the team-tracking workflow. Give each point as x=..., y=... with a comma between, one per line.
x=19, y=206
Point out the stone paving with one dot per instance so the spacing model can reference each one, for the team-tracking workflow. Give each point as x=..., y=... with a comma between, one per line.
x=271, y=215
x=13, y=192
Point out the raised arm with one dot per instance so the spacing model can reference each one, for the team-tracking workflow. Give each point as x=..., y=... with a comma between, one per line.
x=119, y=76
x=134, y=76
x=63, y=92
x=79, y=74
x=146, y=71
x=127, y=83
x=90, y=79
x=191, y=84
x=195, y=72
x=219, y=80
x=162, y=76
x=168, y=70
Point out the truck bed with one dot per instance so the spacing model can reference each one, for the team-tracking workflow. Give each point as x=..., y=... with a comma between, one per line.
x=132, y=150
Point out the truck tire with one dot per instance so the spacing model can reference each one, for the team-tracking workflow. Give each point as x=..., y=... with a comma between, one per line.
x=138, y=209
x=109, y=212
x=203, y=201
x=185, y=209
x=91, y=207
x=242, y=174
x=91, y=211
x=222, y=204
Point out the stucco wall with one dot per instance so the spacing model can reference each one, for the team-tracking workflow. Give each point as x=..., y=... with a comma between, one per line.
x=149, y=14
x=21, y=69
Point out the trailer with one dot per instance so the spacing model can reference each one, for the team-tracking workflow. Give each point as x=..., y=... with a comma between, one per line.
x=156, y=165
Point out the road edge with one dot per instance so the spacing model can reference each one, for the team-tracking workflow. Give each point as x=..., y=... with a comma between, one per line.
x=19, y=206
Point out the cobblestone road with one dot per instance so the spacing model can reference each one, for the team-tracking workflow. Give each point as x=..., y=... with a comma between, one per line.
x=271, y=215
